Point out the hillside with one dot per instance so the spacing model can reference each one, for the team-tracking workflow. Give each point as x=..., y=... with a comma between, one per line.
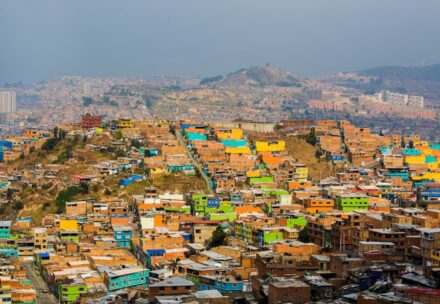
x=306, y=154
x=255, y=76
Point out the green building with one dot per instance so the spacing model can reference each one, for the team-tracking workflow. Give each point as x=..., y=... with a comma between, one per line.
x=296, y=221
x=261, y=180
x=230, y=216
x=70, y=236
x=351, y=202
x=178, y=209
x=269, y=235
x=70, y=290
x=205, y=205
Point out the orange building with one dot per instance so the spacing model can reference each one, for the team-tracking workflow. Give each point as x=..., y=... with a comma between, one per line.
x=318, y=205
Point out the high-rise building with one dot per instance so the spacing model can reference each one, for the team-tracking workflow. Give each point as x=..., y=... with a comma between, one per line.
x=313, y=93
x=401, y=99
x=7, y=101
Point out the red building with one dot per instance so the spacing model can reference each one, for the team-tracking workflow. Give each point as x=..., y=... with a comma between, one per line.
x=90, y=121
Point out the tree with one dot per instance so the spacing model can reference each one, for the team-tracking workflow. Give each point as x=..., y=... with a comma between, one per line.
x=50, y=144
x=135, y=143
x=18, y=205
x=303, y=235
x=55, y=132
x=84, y=188
x=9, y=194
x=65, y=196
x=318, y=153
x=119, y=153
x=63, y=134
x=117, y=135
x=218, y=237
x=311, y=138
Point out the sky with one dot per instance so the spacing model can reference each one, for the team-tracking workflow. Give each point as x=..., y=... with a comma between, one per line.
x=44, y=39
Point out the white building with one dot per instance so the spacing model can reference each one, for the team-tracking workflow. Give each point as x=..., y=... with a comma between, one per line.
x=7, y=101
x=401, y=99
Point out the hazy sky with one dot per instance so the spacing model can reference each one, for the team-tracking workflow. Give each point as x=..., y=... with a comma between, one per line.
x=43, y=39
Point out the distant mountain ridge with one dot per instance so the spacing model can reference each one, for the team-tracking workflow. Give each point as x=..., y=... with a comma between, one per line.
x=417, y=80
x=411, y=73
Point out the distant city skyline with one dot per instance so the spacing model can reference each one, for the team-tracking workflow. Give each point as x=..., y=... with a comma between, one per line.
x=45, y=39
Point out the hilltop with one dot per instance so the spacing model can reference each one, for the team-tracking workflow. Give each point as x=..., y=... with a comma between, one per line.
x=255, y=76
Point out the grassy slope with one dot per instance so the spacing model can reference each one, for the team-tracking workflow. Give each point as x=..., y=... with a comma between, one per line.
x=305, y=154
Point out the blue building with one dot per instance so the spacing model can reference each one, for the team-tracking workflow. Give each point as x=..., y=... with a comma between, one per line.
x=222, y=283
x=430, y=192
x=6, y=144
x=153, y=253
x=123, y=236
x=127, y=277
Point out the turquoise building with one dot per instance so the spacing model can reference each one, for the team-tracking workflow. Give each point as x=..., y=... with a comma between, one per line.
x=234, y=143
x=123, y=236
x=411, y=152
x=5, y=229
x=196, y=136
x=124, y=278
x=8, y=252
x=223, y=284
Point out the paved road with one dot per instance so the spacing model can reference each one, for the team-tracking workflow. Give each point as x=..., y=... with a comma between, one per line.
x=195, y=163
x=39, y=285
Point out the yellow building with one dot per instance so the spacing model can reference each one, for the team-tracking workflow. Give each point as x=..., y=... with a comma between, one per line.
x=229, y=134
x=237, y=150
x=253, y=173
x=155, y=171
x=68, y=225
x=272, y=146
x=123, y=123
x=427, y=176
x=301, y=172
x=421, y=144
x=415, y=159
